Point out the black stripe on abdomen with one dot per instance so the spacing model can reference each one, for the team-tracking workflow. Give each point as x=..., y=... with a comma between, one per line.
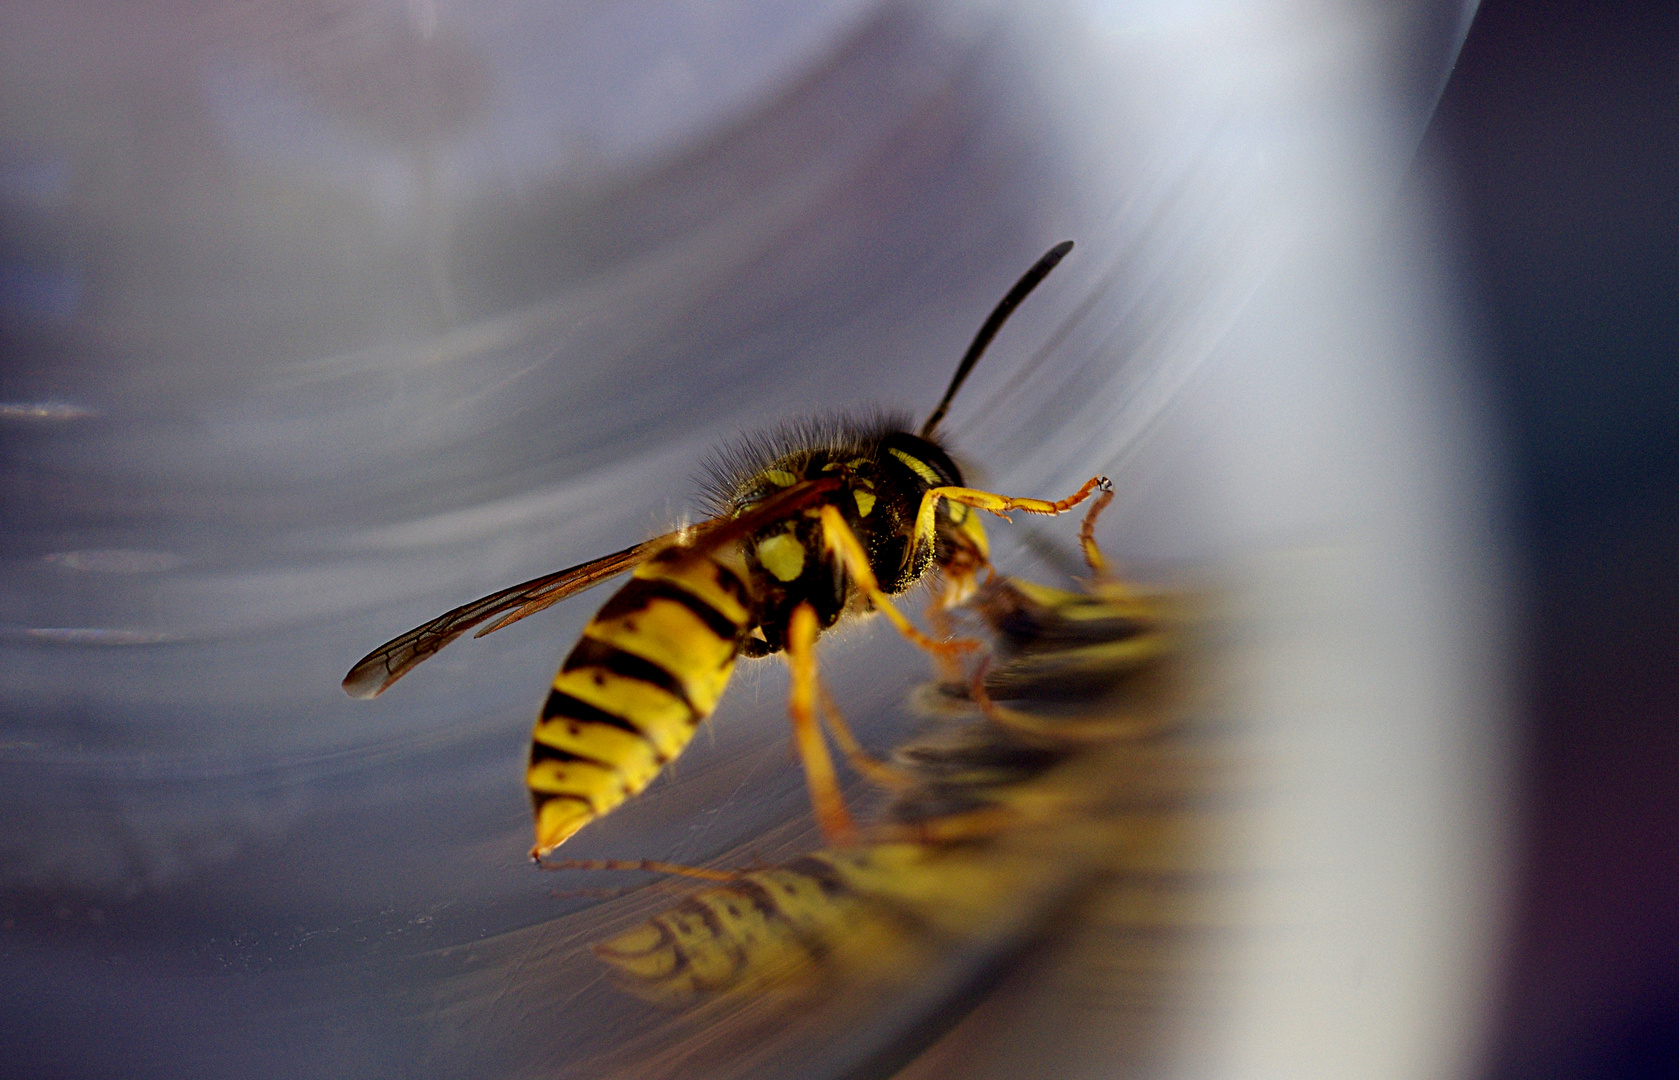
x=541, y=751
x=541, y=798
x=562, y=704
x=641, y=592
x=592, y=653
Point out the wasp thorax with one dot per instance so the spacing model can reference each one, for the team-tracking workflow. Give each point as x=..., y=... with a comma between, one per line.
x=782, y=555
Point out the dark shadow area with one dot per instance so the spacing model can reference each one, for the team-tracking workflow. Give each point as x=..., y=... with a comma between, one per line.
x=1560, y=131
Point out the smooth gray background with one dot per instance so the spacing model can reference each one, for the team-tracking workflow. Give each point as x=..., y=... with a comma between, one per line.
x=322, y=318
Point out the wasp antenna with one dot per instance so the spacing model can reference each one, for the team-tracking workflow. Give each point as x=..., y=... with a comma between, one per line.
x=994, y=322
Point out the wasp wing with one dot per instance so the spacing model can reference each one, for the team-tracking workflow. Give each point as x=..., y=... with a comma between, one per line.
x=376, y=671
x=708, y=535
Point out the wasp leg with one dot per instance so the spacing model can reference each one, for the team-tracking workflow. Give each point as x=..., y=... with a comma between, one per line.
x=997, y=504
x=1087, y=535
x=945, y=664
x=839, y=540
x=869, y=766
x=825, y=797
x=967, y=553
x=1102, y=582
x=650, y=865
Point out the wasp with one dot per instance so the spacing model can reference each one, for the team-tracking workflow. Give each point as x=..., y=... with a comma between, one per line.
x=941, y=870
x=813, y=524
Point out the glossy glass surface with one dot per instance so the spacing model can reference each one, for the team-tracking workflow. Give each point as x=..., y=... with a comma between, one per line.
x=322, y=318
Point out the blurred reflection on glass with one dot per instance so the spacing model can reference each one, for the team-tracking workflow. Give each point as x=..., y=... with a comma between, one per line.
x=321, y=318
x=1101, y=799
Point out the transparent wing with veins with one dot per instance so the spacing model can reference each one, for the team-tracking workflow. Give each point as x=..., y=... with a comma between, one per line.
x=379, y=669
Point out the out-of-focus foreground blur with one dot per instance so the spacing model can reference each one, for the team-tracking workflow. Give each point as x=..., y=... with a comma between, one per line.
x=320, y=318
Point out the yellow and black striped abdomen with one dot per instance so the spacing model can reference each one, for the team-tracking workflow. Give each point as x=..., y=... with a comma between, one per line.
x=873, y=908
x=650, y=667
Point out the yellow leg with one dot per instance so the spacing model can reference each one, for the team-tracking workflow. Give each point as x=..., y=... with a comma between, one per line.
x=947, y=665
x=650, y=865
x=1103, y=584
x=839, y=540
x=871, y=767
x=825, y=797
x=969, y=553
x=997, y=504
x=1087, y=534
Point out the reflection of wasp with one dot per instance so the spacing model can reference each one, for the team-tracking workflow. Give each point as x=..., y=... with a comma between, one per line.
x=814, y=523
x=1091, y=747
